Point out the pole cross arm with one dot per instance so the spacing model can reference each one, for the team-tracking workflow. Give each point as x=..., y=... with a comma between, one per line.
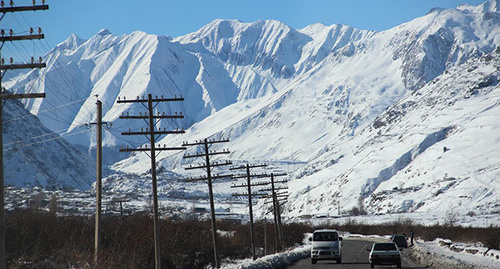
x=161, y=99
x=248, y=166
x=4, y=96
x=21, y=37
x=204, y=154
x=21, y=66
x=202, y=142
x=251, y=185
x=144, y=117
x=204, y=166
x=246, y=195
x=206, y=178
x=24, y=8
x=148, y=149
x=155, y=132
x=275, y=188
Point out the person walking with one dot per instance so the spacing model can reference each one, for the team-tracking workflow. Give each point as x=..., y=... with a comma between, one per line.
x=411, y=237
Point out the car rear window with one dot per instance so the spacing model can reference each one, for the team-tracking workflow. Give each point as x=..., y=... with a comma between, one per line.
x=325, y=236
x=385, y=246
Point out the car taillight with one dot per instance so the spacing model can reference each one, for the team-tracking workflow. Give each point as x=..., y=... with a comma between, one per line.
x=395, y=256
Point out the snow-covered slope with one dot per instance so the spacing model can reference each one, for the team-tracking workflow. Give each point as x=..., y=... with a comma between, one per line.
x=223, y=63
x=323, y=96
x=35, y=156
x=434, y=150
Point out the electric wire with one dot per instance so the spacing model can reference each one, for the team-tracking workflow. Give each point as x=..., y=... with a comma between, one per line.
x=22, y=145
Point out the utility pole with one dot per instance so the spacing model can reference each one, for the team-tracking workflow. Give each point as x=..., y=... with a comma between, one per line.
x=250, y=194
x=4, y=96
x=152, y=134
x=208, y=167
x=276, y=208
x=98, y=181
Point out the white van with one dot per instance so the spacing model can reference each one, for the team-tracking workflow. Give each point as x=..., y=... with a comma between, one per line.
x=326, y=245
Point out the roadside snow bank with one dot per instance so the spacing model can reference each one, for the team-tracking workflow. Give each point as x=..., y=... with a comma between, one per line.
x=444, y=254
x=280, y=260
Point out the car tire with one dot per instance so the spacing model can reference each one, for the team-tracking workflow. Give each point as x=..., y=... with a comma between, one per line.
x=313, y=261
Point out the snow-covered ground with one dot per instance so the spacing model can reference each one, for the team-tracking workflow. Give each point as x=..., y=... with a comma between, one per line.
x=440, y=253
x=446, y=254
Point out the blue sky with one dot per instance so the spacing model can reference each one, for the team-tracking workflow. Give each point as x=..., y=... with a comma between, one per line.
x=176, y=18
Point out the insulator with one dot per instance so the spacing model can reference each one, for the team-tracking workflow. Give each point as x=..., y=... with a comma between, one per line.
x=119, y=100
x=127, y=112
x=163, y=114
x=31, y=28
x=164, y=129
x=11, y=32
x=162, y=96
x=3, y=61
x=147, y=129
x=127, y=146
x=3, y=4
x=2, y=31
x=34, y=2
x=175, y=96
x=137, y=97
x=176, y=113
x=11, y=60
x=180, y=95
x=43, y=2
x=39, y=30
x=32, y=59
x=40, y=59
x=124, y=99
x=180, y=113
x=140, y=113
x=129, y=130
x=141, y=129
x=159, y=113
x=11, y=3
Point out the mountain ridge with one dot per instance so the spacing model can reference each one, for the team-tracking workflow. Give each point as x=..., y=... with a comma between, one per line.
x=324, y=98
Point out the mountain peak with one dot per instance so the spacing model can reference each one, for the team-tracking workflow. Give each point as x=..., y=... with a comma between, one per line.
x=104, y=32
x=72, y=42
x=489, y=6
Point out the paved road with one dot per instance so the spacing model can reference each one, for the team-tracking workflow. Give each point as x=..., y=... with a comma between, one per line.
x=354, y=256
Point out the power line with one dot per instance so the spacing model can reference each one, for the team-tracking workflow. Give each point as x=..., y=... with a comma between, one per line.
x=46, y=140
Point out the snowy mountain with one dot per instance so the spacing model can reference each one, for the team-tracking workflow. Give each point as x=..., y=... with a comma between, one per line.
x=383, y=121
x=36, y=156
x=432, y=151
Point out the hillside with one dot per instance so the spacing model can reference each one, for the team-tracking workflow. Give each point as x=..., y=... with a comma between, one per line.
x=392, y=121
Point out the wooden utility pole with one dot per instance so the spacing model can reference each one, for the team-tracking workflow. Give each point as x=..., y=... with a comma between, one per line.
x=4, y=96
x=98, y=184
x=98, y=181
x=276, y=208
x=249, y=186
x=152, y=134
x=208, y=167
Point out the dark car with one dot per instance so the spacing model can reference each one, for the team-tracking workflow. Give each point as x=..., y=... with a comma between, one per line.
x=385, y=254
x=400, y=240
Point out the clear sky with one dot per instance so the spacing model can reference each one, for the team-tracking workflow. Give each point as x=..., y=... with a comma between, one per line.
x=175, y=18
